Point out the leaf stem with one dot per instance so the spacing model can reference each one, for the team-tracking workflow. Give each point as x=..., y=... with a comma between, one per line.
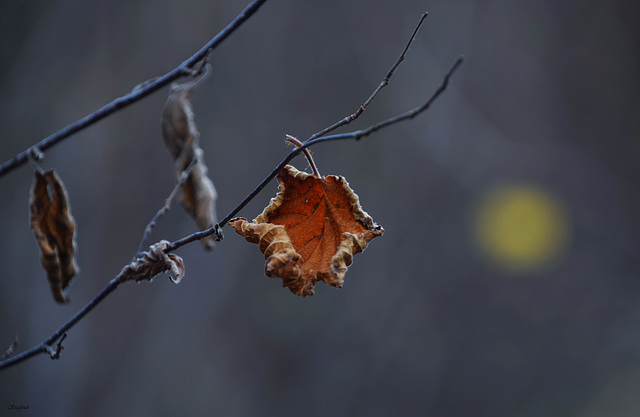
x=312, y=163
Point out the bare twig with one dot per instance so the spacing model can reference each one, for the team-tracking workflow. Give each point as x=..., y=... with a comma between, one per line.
x=143, y=90
x=165, y=207
x=373, y=95
x=47, y=345
x=144, y=267
x=358, y=134
x=163, y=210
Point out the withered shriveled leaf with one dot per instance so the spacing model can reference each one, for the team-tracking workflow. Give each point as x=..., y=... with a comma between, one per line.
x=310, y=231
x=152, y=262
x=54, y=228
x=197, y=192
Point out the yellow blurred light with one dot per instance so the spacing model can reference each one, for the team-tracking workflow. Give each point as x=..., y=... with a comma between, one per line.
x=521, y=228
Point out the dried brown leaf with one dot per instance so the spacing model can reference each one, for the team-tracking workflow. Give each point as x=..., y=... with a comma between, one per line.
x=197, y=192
x=179, y=129
x=54, y=230
x=152, y=262
x=310, y=231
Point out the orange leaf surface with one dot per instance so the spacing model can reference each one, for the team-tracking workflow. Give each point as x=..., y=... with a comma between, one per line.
x=310, y=231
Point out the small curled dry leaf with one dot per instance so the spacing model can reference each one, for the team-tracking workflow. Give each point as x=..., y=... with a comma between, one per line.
x=179, y=129
x=198, y=197
x=310, y=231
x=54, y=230
x=197, y=192
x=152, y=262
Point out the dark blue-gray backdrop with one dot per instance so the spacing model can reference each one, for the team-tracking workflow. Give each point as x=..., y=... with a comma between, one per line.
x=507, y=281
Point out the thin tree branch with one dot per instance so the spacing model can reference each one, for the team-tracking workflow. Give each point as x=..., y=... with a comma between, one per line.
x=358, y=134
x=144, y=267
x=165, y=207
x=138, y=93
x=47, y=345
x=373, y=95
x=163, y=210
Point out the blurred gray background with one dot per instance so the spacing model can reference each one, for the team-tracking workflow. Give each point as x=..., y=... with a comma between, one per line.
x=507, y=281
